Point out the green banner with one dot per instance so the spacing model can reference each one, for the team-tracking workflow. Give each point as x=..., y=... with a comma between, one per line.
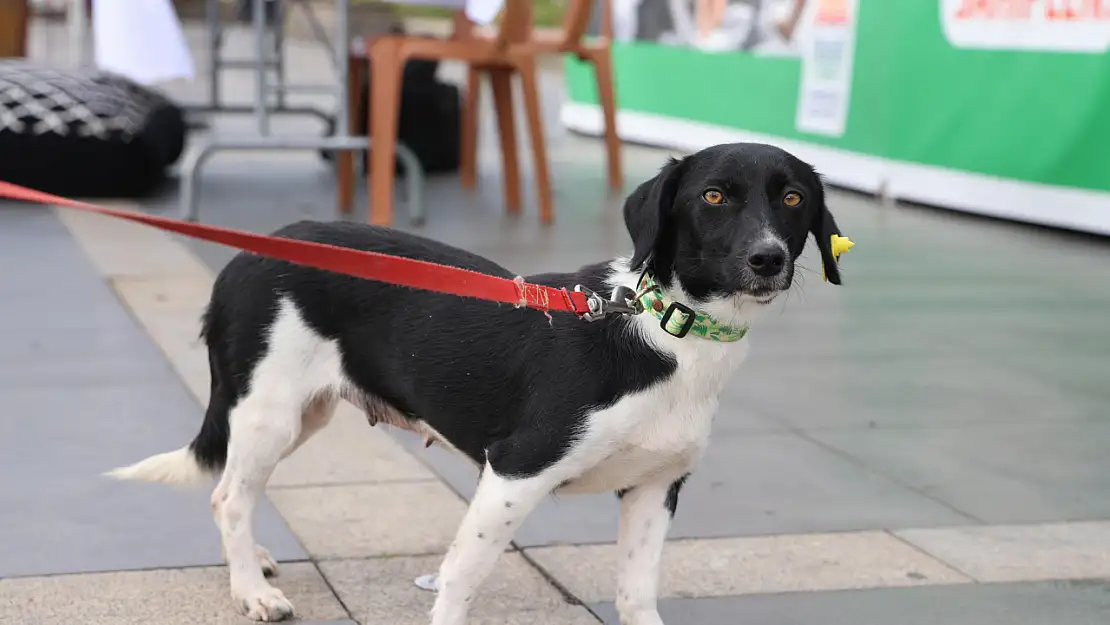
x=1004, y=103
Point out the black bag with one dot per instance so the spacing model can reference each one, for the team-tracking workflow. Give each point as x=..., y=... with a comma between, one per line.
x=430, y=120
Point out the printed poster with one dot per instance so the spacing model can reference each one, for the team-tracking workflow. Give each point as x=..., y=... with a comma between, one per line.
x=825, y=95
x=761, y=27
x=821, y=33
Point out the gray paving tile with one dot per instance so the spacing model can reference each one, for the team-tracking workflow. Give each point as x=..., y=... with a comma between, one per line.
x=754, y=565
x=83, y=391
x=360, y=520
x=1001, y=474
x=1020, y=553
x=380, y=590
x=47, y=282
x=907, y=390
x=783, y=484
x=746, y=485
x=192, y=596
x=61, y=516
x=61, y=306
x=68, y=357
x=28, y=228
x=1063, y=603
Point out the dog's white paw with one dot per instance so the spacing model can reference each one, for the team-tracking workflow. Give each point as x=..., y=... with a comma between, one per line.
x=268, y=604
x=265, y=561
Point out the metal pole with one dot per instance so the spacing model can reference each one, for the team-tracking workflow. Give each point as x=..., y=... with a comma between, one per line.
x=262, y=91
x=342, y=61
x=212, y=21
x=278, y=26
x=195, y=159
x=78, y=19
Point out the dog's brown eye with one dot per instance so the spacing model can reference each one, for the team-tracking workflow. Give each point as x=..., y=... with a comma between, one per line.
x=792, y=199
x=713, y=196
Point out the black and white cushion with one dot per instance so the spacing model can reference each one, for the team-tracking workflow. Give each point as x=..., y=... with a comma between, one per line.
x=85, y=133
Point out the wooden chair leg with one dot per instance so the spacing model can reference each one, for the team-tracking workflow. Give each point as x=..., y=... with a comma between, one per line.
x=387, y=62
x=603, y=70
x=468, y=143
x=501, y=80
x=529, y=80
x=345, y=163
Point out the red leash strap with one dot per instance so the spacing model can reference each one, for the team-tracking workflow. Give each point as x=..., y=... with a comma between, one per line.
x=417, y=274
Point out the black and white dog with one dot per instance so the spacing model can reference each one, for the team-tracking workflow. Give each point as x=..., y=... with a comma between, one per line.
x=622, y=404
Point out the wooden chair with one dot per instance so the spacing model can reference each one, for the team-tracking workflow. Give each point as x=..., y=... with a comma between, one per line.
x=570, y=39
x=14, y=18
x=501, y=56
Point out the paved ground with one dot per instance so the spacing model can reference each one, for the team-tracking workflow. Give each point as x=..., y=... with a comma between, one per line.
x=924, y=445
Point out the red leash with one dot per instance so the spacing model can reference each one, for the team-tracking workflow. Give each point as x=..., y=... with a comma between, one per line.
x=417, y=274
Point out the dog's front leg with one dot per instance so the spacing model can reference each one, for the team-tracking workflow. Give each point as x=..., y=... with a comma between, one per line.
x=499, y=507
x=646, y=512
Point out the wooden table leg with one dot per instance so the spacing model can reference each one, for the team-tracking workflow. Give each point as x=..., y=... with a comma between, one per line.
x=529, y=82
x=501, y=78
x=345, y=161
x=386, y=62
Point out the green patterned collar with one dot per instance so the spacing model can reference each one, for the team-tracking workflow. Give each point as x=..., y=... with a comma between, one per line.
x=678, y=319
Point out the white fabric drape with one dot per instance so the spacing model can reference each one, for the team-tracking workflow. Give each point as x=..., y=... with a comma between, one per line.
x=142, y=40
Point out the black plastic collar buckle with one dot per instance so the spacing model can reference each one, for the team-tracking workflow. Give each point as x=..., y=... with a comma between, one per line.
x=691, y=318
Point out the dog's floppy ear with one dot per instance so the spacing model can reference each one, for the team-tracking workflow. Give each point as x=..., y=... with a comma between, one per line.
x=647, y=208
x=824, y=228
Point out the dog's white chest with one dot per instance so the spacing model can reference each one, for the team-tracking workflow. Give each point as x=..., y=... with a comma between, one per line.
x=668, y=445
x=662, y=431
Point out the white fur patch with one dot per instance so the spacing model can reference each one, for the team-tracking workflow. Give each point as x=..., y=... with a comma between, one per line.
x=664, y=429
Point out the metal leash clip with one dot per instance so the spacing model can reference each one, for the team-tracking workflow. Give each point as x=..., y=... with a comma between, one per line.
x=623, y=302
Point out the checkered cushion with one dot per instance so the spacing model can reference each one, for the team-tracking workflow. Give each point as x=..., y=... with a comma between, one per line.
x=113, y=136
x=35, y=100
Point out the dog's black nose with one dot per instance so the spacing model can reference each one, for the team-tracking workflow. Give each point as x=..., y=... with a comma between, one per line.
x=766, y=259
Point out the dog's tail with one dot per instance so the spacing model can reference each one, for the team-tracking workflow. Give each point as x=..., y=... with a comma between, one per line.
x=178, y=467
x=202, y=459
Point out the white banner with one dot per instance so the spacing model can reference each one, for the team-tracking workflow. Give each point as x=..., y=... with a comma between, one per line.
x=141, y=39
x=1081, y=26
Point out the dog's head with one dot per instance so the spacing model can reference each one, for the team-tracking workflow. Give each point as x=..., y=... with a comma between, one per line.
x=728, y=222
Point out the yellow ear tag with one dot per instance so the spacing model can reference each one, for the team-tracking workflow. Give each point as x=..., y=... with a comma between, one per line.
x=839, y=245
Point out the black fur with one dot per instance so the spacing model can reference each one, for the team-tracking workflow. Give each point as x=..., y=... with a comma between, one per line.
x=501, y=383
x=484, y=375
x=675, y=232
x=672, y=494
x=671, y=503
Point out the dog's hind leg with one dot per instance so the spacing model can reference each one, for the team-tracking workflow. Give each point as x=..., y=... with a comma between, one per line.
x=293, y=392
x=315, y=416
x=263, y=426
